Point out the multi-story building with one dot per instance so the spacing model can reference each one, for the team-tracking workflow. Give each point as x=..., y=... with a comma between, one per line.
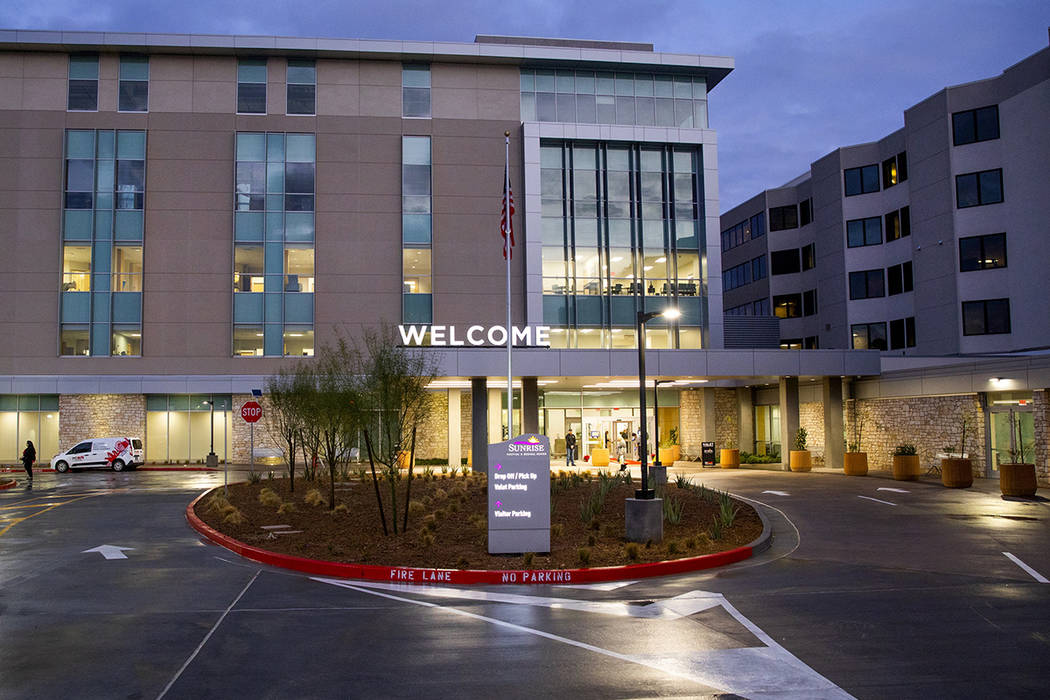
x=928, y=242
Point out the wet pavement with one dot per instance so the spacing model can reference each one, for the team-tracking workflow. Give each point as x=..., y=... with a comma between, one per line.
x=872, y=588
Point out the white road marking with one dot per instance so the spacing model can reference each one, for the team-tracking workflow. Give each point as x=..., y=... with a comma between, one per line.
x=275, y=527
x=110, y=551
x=887, y=488
x=609, y=586
x=208, y=636
x=869, y=498
x=755, y=672
x=1032, y=572
x=778, y=493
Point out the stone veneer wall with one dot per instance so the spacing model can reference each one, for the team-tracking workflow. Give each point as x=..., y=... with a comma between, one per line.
x=690, y=421
x=727, y=419
x=241, y=432
x=432, y=436
x=928, y=422
x=1041, y=413
x=466, y=427
x=100, y=415
x=811, y=417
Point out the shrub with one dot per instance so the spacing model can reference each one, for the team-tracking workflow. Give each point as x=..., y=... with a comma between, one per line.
x=904, y=450
x=715, y=531
x=341, y=508
x=556, y=529
x=800, y=438
x=462, y=563
x=254, y=477
x=313, y=498
x=234, y=517
x=440, y=495
x=681, y=481
x=440, y=514
x=673, y=509
x=691, y=543
x=268, y=497
x=591, y=540
x=415, y=508
x=426, y=538
x=672, y=546
x=632, y=551
x=584, y=555
x=430, y=522
x=285, y=508
x=527, y=559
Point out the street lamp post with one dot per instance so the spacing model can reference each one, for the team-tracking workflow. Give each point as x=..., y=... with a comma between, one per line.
x=643, y=317
x=213, y=459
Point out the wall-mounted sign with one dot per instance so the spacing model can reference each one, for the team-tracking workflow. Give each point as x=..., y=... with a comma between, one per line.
x=520, y=495
x=707, y=453
x=476, y=336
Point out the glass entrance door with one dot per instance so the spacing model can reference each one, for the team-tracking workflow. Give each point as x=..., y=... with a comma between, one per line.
x=1012, y=437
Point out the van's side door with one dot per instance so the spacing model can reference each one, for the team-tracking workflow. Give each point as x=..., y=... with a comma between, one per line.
x=80, y=456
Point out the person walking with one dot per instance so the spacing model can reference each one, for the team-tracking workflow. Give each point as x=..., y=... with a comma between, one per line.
x=28, y=457
x=570, y=449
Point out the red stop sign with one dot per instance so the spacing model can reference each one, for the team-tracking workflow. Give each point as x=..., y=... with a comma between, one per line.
x=251, y=411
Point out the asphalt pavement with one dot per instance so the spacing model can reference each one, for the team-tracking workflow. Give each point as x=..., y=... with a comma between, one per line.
x=872, y=588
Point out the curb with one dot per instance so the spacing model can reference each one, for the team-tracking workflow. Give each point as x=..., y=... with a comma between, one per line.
x=8, y=484
x=407, y=574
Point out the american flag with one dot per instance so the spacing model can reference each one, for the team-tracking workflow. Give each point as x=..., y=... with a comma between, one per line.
x=506, y=223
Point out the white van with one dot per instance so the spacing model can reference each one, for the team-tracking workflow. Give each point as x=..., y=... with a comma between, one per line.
x=117, y=453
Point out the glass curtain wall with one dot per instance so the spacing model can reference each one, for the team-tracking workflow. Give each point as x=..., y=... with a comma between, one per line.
x=767, y=430
x=102, y=236
x=416, y=230
x=621, y=234
x=273, y=251
x=599, y=418
x=178, y=430
x=28, y=417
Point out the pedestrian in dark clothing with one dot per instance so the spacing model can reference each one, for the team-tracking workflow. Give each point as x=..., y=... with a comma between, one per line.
x=28, y=457
x=570, y=449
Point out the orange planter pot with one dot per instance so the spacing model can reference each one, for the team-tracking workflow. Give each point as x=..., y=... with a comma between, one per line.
x=1017, y=479
x=800, y=460
x=600, y=457
x=855, y=463
x=958, y=473
x=729, y=459
x=905, y=467
x=668, y=455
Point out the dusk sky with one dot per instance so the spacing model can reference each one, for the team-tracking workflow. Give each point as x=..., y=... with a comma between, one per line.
x=810, y=75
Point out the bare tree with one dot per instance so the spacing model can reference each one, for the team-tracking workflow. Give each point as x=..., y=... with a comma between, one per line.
x=288, y=392
x=336, y=407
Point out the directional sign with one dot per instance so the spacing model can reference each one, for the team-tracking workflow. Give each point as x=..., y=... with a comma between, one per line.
x=251, y=411
x=520, y=495
x=110, y=551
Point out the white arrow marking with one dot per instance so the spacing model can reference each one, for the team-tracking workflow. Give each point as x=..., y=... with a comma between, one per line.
x=778, y=493
x=869, y=498
x=887, y=488
x=110, y=551
x=608, y=586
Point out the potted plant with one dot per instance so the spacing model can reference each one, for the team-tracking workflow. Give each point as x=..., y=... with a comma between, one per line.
x=729, y=456
x=855, y=462
x=905, y=462
x=669, y=449
x=1017, y=477
x=799, y=459
x=957, y=472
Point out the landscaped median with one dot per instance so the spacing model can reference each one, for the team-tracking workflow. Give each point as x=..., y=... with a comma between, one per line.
x=268, y=523
x=7, y=484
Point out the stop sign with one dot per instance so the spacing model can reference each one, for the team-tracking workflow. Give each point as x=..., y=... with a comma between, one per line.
x=251, y=411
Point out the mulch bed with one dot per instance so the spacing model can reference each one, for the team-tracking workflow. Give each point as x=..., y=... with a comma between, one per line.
x=450, y=530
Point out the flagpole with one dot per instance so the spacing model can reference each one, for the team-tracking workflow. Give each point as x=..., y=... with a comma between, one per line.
x=509, y=250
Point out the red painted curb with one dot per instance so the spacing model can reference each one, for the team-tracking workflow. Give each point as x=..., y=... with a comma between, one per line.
x=8, y=484
x=405, y=574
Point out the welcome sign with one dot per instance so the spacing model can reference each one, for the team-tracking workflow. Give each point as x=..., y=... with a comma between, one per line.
x=476, y=336
x=519, y=493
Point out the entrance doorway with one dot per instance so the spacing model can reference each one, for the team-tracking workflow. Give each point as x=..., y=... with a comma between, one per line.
x=1012, y=436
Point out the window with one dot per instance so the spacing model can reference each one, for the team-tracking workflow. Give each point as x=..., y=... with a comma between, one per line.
x=83, y=83
x=781, y=218
x=976, y=189
x=811, y=342
x=761, y=308
x=758, y=268
x=126, y=340
x=746, y=230
x=866, y=284
x=251, y=86
x=899, y=279
x=76, y=268
x=862, y=232
x=415, y=91
x=902, y=333
x=975, y=125
x=736, y=276
x=898, y=224
x=787, y=306
x=987, y=317
x=809, y=302
x=134, y=84
x=805, y=212
x=809, y=256
x=127, y=269
x=868, y=336
x=791, y=343
x=895, y=170
x=784, y=262
x=417, y=306
x=302, y=87
x=982, y=252
x=862, y=180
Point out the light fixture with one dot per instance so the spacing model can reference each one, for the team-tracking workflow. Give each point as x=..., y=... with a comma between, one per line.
x=661, y=259
x=671, y=313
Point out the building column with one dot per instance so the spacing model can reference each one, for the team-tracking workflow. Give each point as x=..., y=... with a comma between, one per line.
x=530, y=405
x=746, y=418
x=479, y=425
x=833, y=431
x=788, y=417
x=710, y=423
x=497, y=410
x=454, y=429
